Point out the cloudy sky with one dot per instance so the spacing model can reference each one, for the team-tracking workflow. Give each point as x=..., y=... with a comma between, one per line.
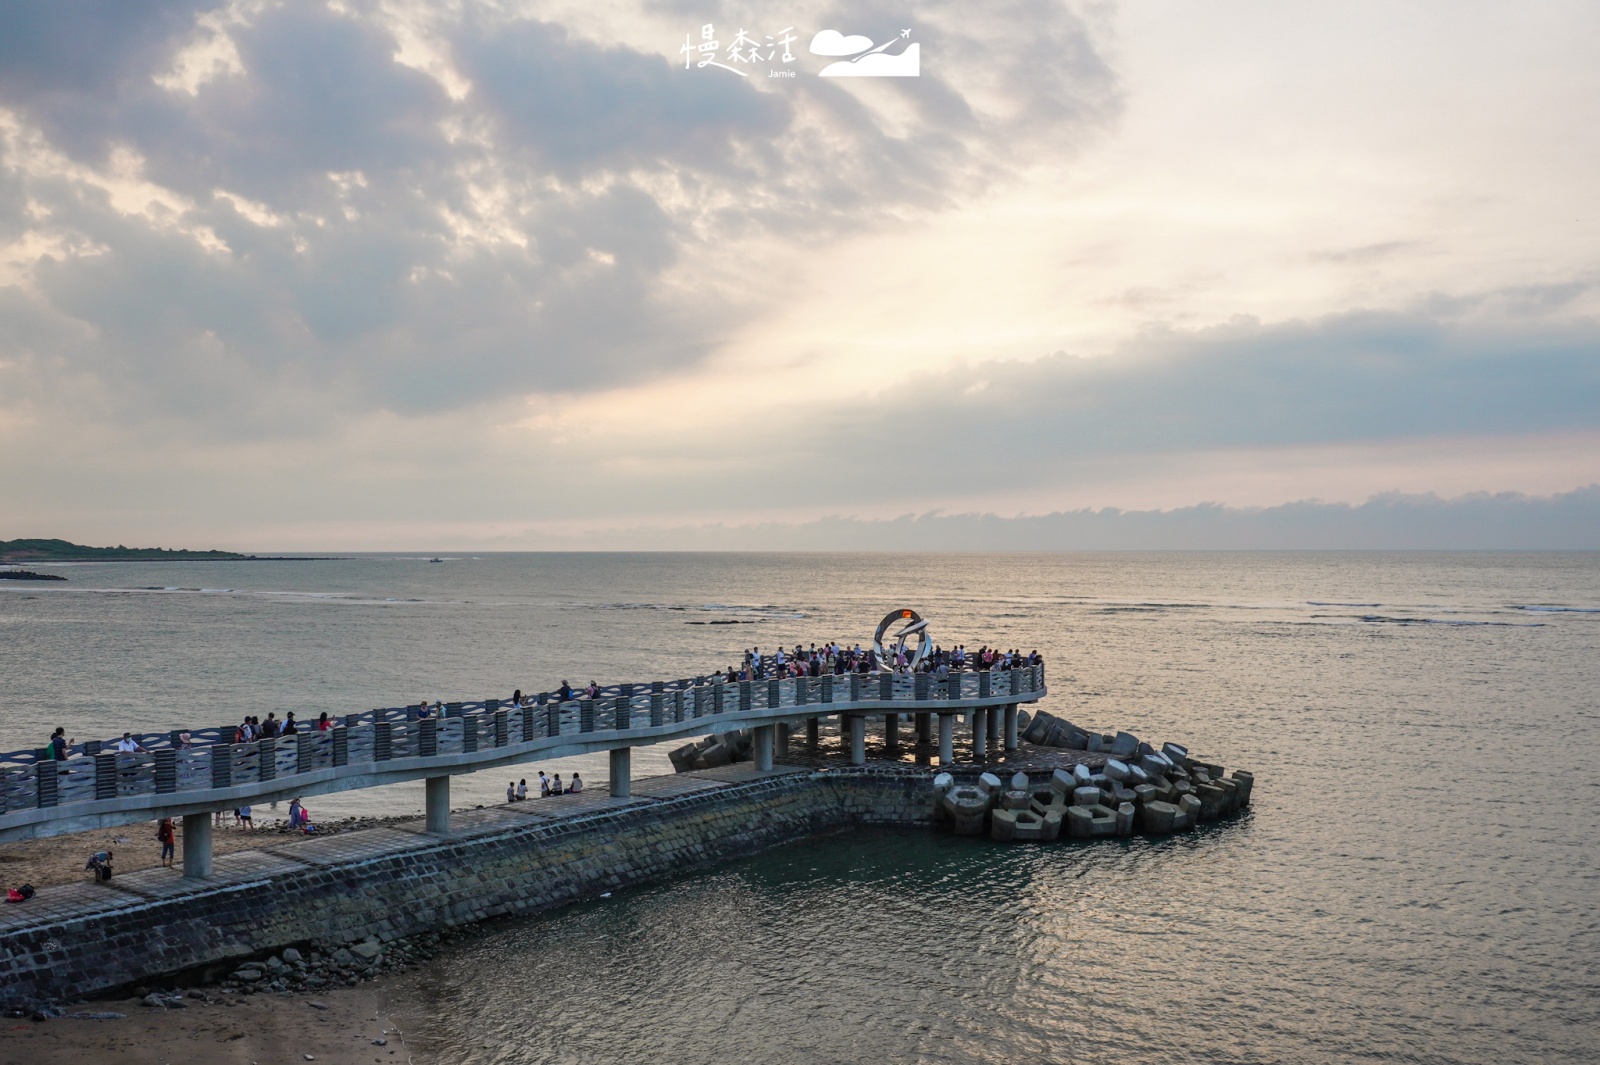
x=423, y=275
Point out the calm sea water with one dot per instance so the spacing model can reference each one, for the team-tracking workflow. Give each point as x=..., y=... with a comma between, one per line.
x=1417, y=880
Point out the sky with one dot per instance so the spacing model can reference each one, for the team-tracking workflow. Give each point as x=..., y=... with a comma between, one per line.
x=472, y=275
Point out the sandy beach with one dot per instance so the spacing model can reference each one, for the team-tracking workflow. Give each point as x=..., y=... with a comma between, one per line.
x=60, y=859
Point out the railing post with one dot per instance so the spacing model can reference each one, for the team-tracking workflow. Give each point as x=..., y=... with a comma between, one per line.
x=774, y=693
x=716, y=697
x=267, y=749
x=886, y=685
x=105, y=775
x=802, y=691
x=341, y=745
x=827, y=687
x=919, y=685
x=166, y=772
x=303, y=751
x=677, y=706
x=352, y=720
x=382, y=741
x=658, y=703
x=469, y=734
x=985, y=681
x=855, y=687
x=586, y=715
x=624, y=711
x=746, y=695
x=428, y=737
x=527, y=723
x=222, y=765
x=502, y=730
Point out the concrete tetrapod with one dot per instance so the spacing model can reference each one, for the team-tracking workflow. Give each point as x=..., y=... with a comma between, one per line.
x=966, y=806
x=1085, y=822
x=1007, y=825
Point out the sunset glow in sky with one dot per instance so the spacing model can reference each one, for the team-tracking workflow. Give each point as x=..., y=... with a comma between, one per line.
x=392, y=274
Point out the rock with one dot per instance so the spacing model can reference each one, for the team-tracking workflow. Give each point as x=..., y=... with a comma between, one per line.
x=1116, y=769
x=1246, y=781
x=1078, y=741
x=1124, y=745
x=1125, y=819
x=1213, y=801
x=1177, y=752
x=274, y=964
x=1157, y=817
x=248, y=976
x=200, y=996
x=1155, y=764
x=343, y=957
x=1094, y=745
x=1039, y=728
x=368, y=950
x=1085, y=796
x=153, y=1001
x=1188, y=811
x=1144, y=793
x=317, y=1005
x=380, y=1042
x=292, y=956
x=1137, y=775
x=103, y=1016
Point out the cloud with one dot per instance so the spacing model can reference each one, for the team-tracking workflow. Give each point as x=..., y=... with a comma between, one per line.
x=906, y=64
x=832, y=42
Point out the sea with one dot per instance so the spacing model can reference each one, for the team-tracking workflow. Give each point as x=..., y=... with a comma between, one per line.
x=1417, y=879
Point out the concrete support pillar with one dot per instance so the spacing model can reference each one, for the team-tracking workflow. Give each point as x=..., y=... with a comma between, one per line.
x=947, y=739
x=980, y=735
x=924, y=729
x=813, y=727
x=622, y=772
x=436, y=803
x=764, y=738
x=994, y=728
x=858, y=739
x=781, y=746
x=197, y=846
x=1011, y=726
x=891, y=731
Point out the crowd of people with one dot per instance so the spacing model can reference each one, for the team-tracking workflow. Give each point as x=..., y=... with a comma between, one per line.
x=836, y=660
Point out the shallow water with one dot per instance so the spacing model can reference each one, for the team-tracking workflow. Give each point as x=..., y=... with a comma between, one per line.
x=1416, y=881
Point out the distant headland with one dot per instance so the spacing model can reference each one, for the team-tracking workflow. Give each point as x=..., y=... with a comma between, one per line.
x=16, y=552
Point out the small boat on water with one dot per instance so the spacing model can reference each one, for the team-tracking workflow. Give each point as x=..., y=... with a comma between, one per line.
x=435, y=560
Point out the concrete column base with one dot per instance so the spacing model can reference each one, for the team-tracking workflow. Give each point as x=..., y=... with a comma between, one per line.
x=197, y=846
x=980, y=735
x=764, y=737
x=947, y=739
x=813, y=731
x=891, y=731
x=858, y=739
x=622, y=772
x=781, y=744
x=436, y=803
x=1011, y=727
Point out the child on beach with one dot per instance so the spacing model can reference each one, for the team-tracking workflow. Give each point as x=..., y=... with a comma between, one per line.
x=168, y=837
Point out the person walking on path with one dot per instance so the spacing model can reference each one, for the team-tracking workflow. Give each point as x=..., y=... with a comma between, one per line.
x=169, y=838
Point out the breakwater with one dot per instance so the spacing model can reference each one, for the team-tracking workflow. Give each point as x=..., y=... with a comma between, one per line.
x=391, y=883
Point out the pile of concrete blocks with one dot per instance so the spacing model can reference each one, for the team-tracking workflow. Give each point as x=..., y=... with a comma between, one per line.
x=724, y=748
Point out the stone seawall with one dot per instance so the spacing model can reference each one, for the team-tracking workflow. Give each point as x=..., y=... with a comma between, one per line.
x=391, y=882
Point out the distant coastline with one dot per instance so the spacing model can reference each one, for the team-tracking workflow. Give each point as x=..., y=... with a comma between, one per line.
x=28, y=575
x=16, y=552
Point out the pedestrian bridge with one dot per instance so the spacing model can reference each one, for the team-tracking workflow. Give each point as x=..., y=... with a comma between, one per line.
x=98, y=787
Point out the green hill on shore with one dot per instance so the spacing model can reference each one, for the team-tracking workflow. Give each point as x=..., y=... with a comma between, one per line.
x=18, y=551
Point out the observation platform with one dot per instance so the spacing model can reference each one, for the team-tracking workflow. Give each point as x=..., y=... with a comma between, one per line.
x=99, y=788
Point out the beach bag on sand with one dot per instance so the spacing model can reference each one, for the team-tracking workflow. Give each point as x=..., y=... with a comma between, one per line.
x=20, y=894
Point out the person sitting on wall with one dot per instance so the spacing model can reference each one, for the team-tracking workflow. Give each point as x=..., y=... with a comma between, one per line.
x=555, y=784
x=576, y=785
x=100, y=863
x=564, y=693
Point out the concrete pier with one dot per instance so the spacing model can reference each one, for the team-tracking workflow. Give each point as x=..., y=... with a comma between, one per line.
x=947, y=739
x=1011, y=726
x=994, y=727
x=891, y=732
x=858, y=739
x=924, y=729
x=980, y=735
x=436, y=805
x=813, y=731
x=782, y=744
x=197, y=846
x=763, y=739
x=622, y=772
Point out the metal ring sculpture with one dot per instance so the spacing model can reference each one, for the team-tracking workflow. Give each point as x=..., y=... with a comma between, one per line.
x=912, y=626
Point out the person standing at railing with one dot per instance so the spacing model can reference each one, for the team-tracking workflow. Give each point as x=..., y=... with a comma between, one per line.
x=593, y=691
x=129, y=745
x=564, y=693
x=522, y=789
x=289, y=728
x=59, y=745
x=324, y=723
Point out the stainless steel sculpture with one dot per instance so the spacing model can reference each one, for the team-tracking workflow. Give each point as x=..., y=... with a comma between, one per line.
x=913, y=625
